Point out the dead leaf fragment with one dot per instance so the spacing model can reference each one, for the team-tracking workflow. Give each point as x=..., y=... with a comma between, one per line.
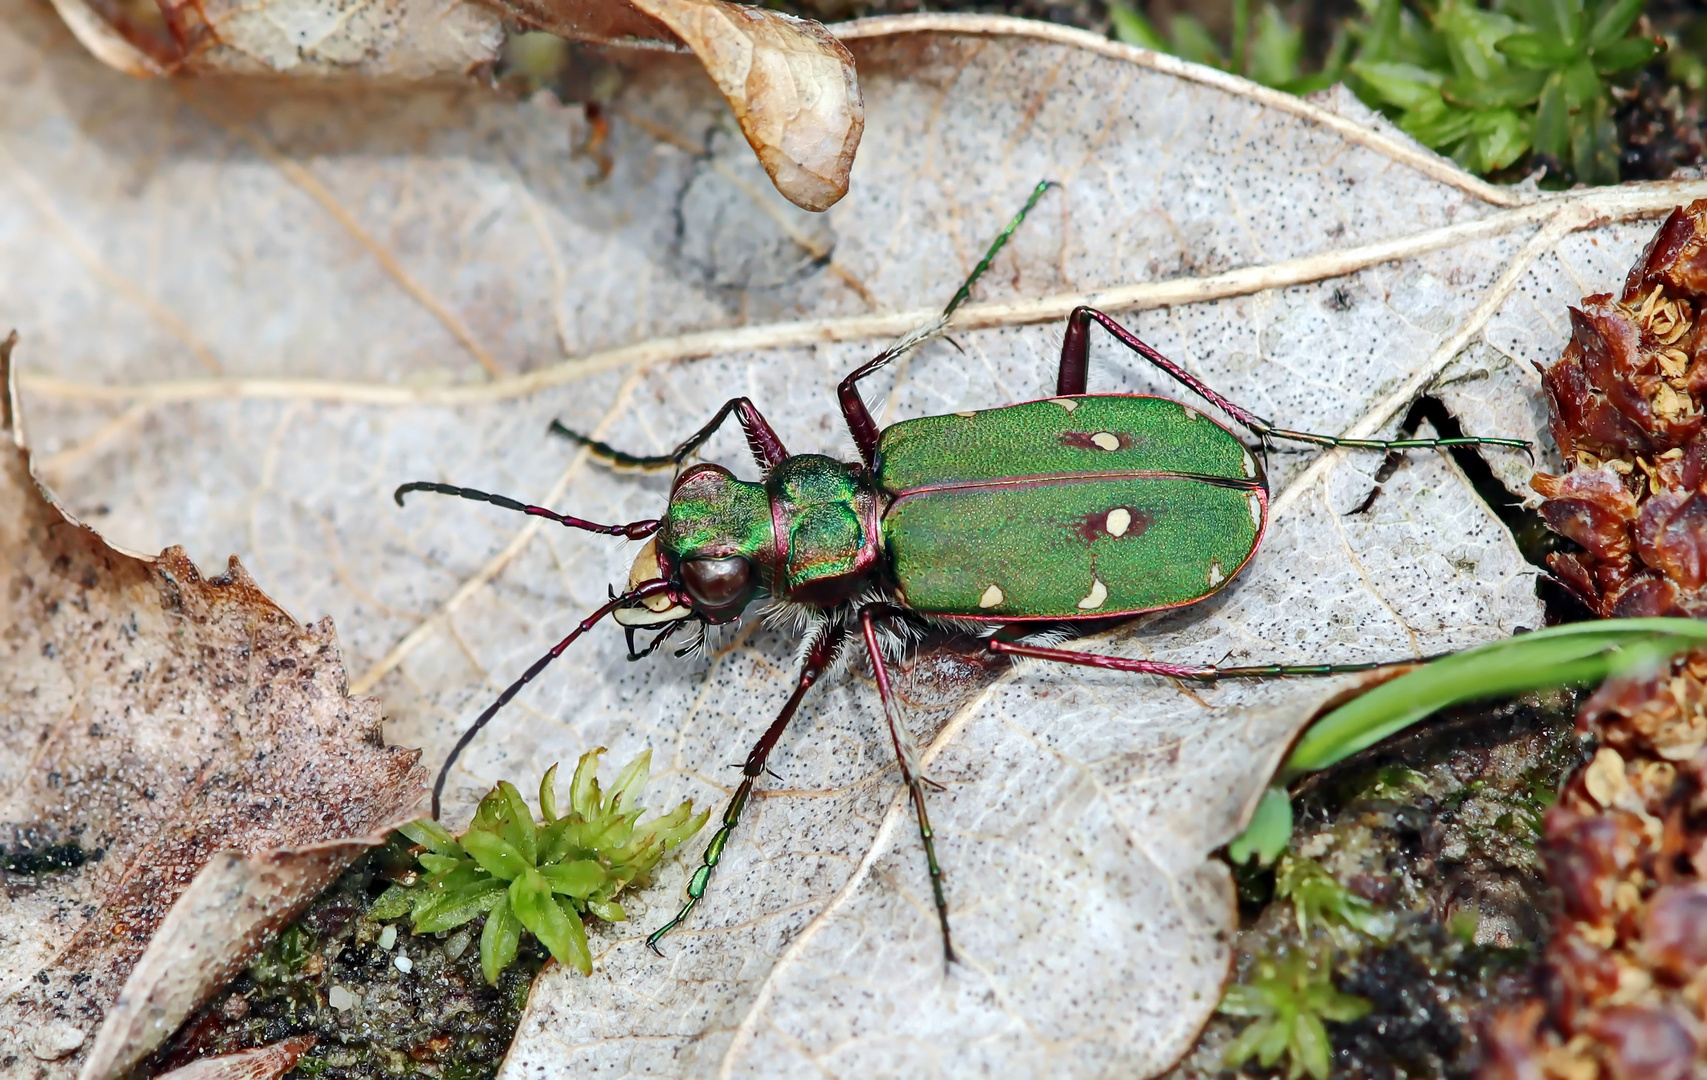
x=791, y=85
x=261, y=1063
x=221, y=922
x=152, y=719
x=402, y=40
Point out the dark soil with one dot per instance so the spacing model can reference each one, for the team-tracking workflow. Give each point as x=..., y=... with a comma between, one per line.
x=335, y=975
x=1438, y=827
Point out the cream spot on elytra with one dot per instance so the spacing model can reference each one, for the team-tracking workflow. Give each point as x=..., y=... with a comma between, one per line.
x=1119, y=520
x=968, y=414
x=992, y=596
x=1216, y=577
x=1190, y=413
x=1106, y=440
x=1094, y=600
x=1256, y=511
x=1250, y=466
x=1065, y=402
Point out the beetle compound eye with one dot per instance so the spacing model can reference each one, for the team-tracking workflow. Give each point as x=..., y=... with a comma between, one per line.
x=717, y=583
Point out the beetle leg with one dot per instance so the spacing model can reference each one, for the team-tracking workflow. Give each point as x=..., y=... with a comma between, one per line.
x=818, y=658
x=903, y=744
x=1075, y=362
x=1390, y=464
x=860, y=422
x=762, y=439
x=1195, y=672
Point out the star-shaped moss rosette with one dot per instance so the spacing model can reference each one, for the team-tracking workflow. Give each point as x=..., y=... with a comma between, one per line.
x=543, y=877
x=1289, y=996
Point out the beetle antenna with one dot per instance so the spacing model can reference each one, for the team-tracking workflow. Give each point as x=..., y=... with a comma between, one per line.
x=651, y=588
x=634, y=530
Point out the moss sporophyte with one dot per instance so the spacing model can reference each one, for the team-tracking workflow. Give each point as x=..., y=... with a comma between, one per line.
x=543, y=877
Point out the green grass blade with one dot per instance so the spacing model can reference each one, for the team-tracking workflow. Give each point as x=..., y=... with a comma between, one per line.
x=1577, y=654
x=1132, y=28
x=1268, y=833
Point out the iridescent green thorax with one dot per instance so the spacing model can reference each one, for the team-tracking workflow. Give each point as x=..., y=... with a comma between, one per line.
x=823, y=514
x=712, y=515
x=1074, y=507
x=828, y=519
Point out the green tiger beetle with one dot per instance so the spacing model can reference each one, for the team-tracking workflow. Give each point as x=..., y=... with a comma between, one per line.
x=1010, y=522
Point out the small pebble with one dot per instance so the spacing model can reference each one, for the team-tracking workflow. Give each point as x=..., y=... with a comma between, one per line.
x=388, y=937
x=403, y=963
x=458, y=944
x=340, y=998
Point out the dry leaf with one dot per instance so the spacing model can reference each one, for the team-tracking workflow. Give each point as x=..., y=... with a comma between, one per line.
x=153, y=719
x=790, y=84
x=262, y=1063
x=347, y=263
x=221, y=921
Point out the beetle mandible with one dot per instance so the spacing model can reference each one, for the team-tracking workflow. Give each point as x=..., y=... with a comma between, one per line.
x=1132, y=503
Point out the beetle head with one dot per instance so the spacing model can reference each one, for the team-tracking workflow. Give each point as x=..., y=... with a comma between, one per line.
x=710, y=546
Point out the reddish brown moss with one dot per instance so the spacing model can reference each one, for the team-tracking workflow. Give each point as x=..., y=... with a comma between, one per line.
x=1626, y=845
x=1628, y=415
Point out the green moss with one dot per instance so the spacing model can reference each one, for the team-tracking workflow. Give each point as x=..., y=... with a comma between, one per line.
x=1289, y=998
x=387, y=999
x=542, y=877
x=1488, y=86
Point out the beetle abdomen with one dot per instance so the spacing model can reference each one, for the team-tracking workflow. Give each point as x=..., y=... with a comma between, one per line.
x=1082, y=507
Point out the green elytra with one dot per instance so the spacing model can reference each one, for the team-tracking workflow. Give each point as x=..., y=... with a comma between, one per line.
x=1007, y=521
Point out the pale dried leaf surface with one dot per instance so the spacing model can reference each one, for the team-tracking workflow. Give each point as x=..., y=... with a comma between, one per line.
x=791, y=85
x=294, y=358
x=153, y=718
